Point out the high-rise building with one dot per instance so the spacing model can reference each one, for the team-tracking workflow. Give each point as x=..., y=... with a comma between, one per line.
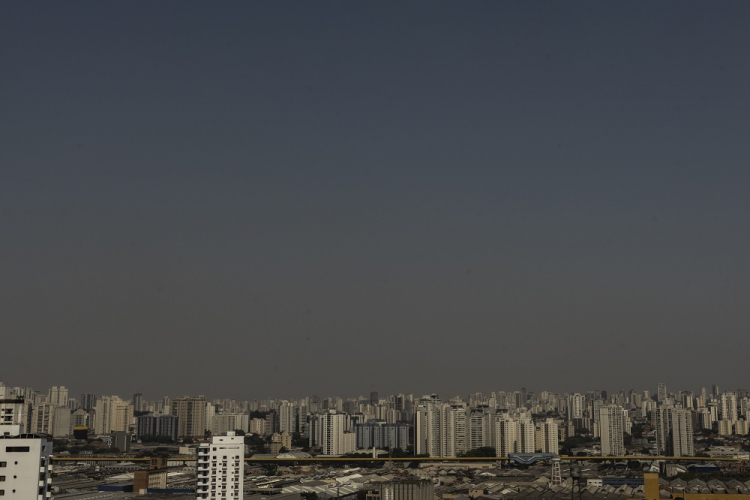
x=25, y=466
x=224, y=423
x=286, y=417
x=611, y=429
x=58, y=396
x=674, y=431
x=191, y=416
x=525, y=436
x=575, y=406
x=137, y=401
x=42, y=418
x=429, y=431
x=505, y=434
x=661, y=393
x=220, y=468
x=332, y=434
x=550, y=442
x=61, y=422
x=152, y=425
x=477, y=429
x=455, y=430
x=112, y=414
x=379, y=434
x=729, y=407
x=88, y=401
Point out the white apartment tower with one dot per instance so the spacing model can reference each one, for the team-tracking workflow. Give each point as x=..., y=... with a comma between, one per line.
x=58, y=396
x=525, y=434
x=575, y=406
x=25, y=466
x=221, y=468
x=611, y=428
x=335, y=438
x=428, y=428
x=505, y=435
x=674, y=432
x=112, y=414
x=550, y=442
x=729, y=407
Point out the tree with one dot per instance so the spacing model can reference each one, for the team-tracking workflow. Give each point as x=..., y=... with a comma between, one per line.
x=484, y=451
x=239, y=432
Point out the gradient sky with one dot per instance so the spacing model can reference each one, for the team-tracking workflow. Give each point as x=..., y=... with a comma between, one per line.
x=291, y=198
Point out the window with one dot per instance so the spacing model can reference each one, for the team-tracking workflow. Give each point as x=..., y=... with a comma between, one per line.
x=3, y=464
x=17, y=449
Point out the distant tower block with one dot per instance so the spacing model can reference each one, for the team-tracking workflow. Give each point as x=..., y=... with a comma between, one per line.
x=556, y=472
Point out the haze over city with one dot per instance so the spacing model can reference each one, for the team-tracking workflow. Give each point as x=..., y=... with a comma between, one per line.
x=277, y=200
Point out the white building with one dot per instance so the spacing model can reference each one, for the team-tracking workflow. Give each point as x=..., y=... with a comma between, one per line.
x=674, y=432
x=25, y=466
x=15, y=411
x=221, y=467
x=525, y=442
x=505, y=435
x=58, y=396
x=611, y=429
x=334, y=434
x=112, y=414
x=575, y=406
x=429, y=430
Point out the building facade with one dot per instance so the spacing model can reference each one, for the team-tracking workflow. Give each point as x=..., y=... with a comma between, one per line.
x=25, y=466
x=221, y=468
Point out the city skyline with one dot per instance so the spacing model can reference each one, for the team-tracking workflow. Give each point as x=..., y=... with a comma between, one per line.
x=658, y=392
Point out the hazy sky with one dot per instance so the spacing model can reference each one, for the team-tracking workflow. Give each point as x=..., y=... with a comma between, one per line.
x=254, y=199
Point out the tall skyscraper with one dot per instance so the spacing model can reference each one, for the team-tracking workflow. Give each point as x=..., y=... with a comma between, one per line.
x=674, y=431
x=220, y=468
x=611, y=428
